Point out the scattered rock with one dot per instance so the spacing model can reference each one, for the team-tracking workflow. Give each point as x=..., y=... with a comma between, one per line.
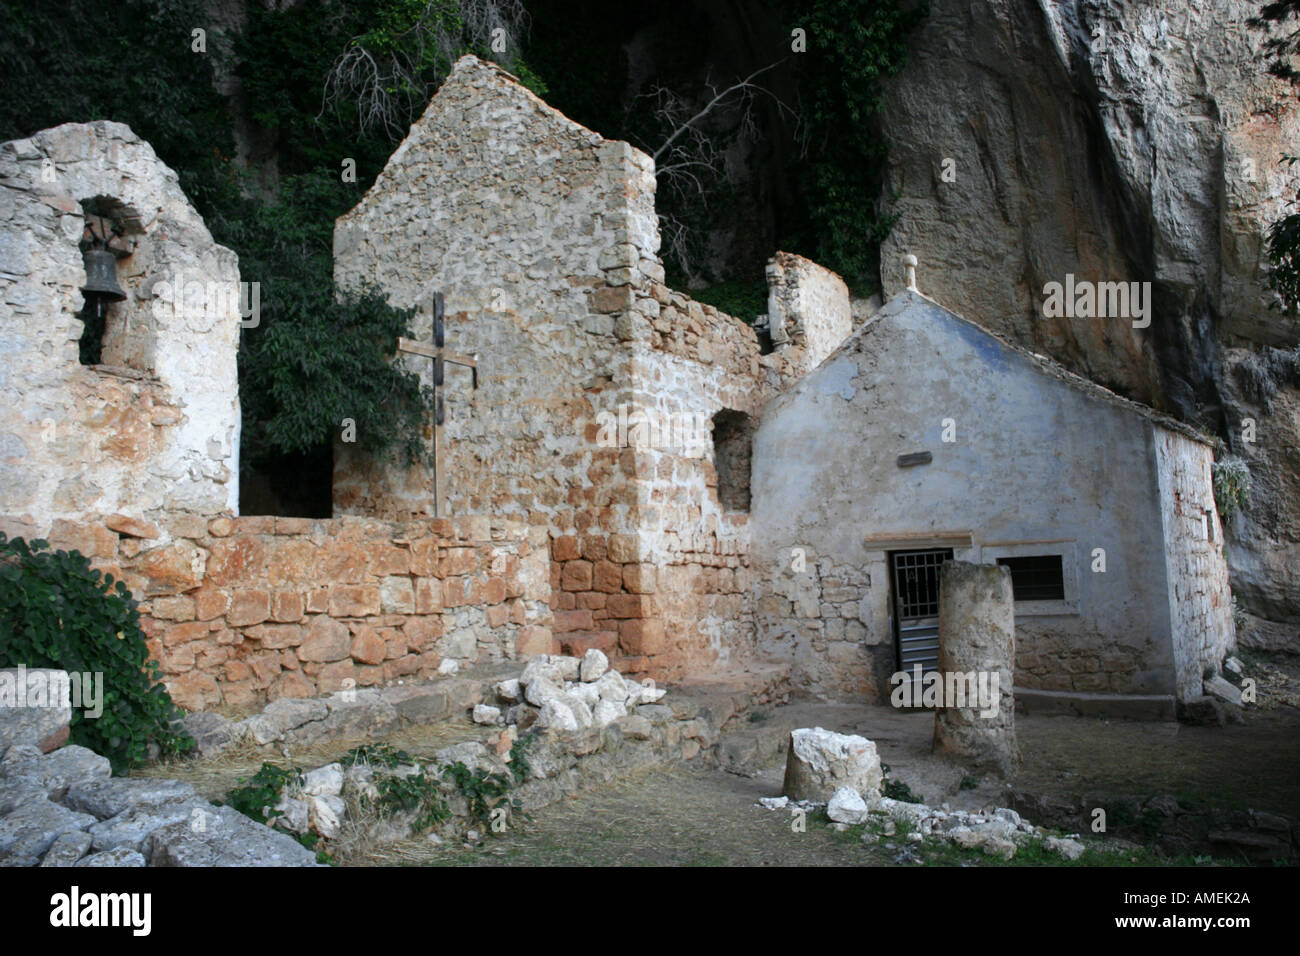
x=611, y=686
x=607, y=711
x=568, y=668
x=819, y=762
x=773, y=803
x=43, y=725
x=108, y=798
x=1222, y=689
x=486, y=714
x=67, y=849
x=558, y=716
x=30, y=830
x=847, y=806
x=594, y=665
x=1066, y=848
x=116, y=857
x=132, y=826
x=284, y=715
x=449, y=666
x=509, y=691
x=998, y=846
x=213, y=734
x=326, y=814
x=228, y=839
x=324, y=781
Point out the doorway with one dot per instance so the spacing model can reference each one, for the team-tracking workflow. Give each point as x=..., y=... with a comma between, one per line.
x=915, y=593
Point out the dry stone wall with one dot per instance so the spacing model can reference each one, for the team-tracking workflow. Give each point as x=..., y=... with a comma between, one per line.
x=241, y=611
x=155, y=429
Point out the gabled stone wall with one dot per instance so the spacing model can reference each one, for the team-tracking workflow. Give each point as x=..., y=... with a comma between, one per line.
x=155, y=430
x=598, y=384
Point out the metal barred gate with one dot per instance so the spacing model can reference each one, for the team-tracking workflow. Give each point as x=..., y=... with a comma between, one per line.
x=915, y=577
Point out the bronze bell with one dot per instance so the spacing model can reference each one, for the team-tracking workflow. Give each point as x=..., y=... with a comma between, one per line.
x=101, y=276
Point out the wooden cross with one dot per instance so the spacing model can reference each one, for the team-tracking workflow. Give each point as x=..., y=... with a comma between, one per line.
x=440, y=356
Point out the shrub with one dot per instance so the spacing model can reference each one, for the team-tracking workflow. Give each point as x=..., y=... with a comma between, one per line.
x=1232, y=485
x=56, y=611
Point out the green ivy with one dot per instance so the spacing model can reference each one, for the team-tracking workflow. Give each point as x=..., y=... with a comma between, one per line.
x=852, y=49
x=257, y=796
x=61, y=613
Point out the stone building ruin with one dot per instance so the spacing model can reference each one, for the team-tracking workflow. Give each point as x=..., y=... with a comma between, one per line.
x=634, y=473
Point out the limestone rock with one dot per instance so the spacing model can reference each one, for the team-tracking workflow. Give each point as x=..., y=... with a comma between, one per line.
x=568, y=668
x=117, y=857
x=324, y=781
x=509, y=691
x=636, y=727
x=1069, y=849
x=44, y=727
x=53, y=772
x=594, y=664
x=1223, y=690
x=67, y=849
x=228, y=839
x=819, y=762
x=294, y=812
x=326, y=814
x=470, y=752
x=213, y=734
x=108, y=798
x=486, y=714
x=284, y=715
x=557, y=715
x=612, y=687
x=29, y=831
x=847, y=806
x=608, y=711
x=589, y=694
x=132, y=826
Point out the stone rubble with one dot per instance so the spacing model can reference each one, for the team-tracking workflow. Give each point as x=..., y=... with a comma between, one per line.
x=819, y=762
x=997, y=831
x=63, y=809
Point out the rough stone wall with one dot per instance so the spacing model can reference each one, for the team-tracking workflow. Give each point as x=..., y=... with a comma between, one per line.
x=543, y=236
x=1199, y=599
x=808, y=305
x=1027, y=472
x=156, y=429
x=1167, y=166
x=240, y=611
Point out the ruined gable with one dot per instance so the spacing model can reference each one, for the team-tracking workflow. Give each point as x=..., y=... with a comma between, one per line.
x=601, y=390
x=154, y=428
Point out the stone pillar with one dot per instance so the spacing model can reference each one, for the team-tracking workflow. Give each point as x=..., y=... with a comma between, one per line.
x=977, y=646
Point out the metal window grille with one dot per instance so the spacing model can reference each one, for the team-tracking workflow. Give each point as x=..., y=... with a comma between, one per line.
x=1036, y=578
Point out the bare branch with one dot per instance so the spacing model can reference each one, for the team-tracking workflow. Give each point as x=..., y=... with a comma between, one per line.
x=746, y=84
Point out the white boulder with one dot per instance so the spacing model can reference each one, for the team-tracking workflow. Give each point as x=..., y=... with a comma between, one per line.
x=847, y=806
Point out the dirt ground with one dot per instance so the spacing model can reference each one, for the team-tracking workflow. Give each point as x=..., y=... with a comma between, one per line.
x=696, y=817
x=691, y=816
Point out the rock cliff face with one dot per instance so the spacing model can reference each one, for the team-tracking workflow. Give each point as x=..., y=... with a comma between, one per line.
x=1117, y=141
